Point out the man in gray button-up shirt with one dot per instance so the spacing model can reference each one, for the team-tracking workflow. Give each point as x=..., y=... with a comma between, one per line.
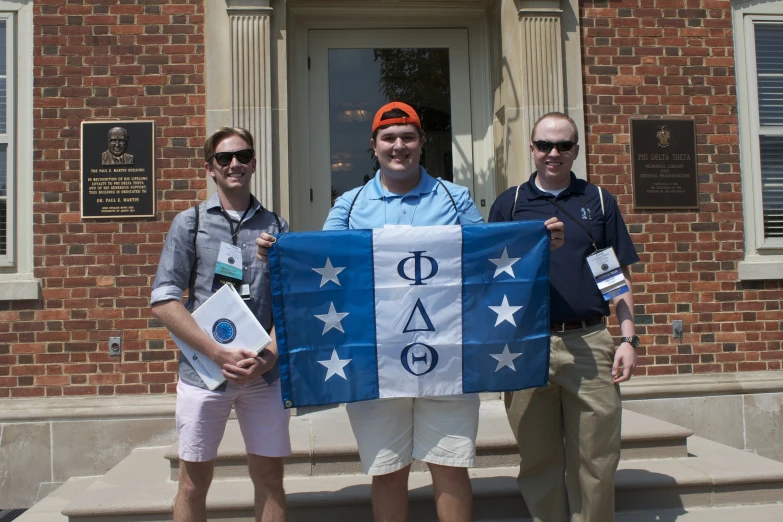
x=188, y=261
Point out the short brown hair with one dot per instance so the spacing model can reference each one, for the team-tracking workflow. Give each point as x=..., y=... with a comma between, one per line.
x=223, y=133
x=557, y=116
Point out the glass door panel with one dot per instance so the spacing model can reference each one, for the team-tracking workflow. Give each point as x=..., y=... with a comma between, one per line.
x=360, y=81
x=355, y=72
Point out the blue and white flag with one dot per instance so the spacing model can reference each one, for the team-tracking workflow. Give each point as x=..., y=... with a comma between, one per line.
x=411, y=312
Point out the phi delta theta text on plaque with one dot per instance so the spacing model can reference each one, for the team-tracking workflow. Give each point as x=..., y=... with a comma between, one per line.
x=663, y=161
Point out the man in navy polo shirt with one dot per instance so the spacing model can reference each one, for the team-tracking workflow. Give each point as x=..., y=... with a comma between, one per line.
x=569, y=431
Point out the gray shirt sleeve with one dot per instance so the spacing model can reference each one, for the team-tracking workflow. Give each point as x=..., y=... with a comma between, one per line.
x=176, y=260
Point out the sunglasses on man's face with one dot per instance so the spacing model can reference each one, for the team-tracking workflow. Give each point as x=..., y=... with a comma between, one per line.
x=547, y=146
x=224, y=158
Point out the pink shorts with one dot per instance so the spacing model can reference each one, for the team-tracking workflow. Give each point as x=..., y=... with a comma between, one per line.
x=202, y=415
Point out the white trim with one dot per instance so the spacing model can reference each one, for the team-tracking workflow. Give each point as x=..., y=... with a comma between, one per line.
x=16, y=279
x=9, y=258
x=321, y=41
x=763, y=256
x=304, y=16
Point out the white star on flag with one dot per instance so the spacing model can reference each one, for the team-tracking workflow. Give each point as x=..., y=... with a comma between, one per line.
x=505, y=359
x=505, y=312
x=329, y=273
x=332, y=319
x=334, y=366
x=504, y=264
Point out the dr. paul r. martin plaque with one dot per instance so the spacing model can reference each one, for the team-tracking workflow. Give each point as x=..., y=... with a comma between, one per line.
x=663, y=160
x=118, y=169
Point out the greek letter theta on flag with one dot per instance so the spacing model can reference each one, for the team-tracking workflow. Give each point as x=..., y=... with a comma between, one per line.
x=411, y=312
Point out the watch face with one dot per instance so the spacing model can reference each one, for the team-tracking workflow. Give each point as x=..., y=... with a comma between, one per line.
x=632, y=340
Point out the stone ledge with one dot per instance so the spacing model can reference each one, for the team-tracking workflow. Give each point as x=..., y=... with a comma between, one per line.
x=130, y=406
x=677, y=386
x=47, y=409
x=19, y=289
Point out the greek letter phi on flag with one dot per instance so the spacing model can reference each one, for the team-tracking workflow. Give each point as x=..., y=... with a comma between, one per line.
x=410, y=312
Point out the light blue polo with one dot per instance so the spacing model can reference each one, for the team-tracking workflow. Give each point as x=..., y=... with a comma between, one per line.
x=426, y=204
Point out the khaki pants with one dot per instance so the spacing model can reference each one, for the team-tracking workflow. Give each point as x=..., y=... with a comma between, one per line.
x=569, y=431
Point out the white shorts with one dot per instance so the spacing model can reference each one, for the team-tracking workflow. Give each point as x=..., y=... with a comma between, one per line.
x=202, y=415
x=392, y=432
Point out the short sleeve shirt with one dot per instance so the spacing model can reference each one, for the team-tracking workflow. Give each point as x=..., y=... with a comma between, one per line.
x=179, y=261
x=574, y=293
x=429, y=203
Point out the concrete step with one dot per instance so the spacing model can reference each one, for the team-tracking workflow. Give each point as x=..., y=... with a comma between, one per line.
x=757, y=513
x=323, y=443
x=713, y=476
x=49, y=509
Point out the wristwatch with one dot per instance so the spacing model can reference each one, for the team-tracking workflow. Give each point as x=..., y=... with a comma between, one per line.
x=633, y=340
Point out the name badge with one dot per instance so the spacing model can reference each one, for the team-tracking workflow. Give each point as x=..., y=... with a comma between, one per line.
x=607, y=273
x=228, y=269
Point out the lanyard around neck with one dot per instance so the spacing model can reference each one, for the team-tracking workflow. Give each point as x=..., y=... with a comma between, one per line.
x=231, y=221
x=587, y=213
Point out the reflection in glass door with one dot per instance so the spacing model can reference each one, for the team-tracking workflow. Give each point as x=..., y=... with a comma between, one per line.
x=355, y=72
x=360, y=81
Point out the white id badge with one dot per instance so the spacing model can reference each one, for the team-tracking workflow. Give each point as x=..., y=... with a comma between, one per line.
x=607, y=273
x=229, y=261
x=228, y=269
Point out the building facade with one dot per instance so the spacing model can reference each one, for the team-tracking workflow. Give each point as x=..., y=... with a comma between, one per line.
x=305, y=75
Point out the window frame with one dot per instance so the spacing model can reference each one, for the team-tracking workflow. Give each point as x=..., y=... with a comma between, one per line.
x=9, y=258
x=763, y=257
x=17, y=281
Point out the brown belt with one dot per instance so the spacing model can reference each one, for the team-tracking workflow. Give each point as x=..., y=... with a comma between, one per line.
x=577, y=325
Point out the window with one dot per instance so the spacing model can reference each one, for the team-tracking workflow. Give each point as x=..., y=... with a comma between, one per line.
x=6, y=115
x=758, y=44
x=16, y=151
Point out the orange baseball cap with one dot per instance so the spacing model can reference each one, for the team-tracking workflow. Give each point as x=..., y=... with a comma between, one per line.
x=412, y=117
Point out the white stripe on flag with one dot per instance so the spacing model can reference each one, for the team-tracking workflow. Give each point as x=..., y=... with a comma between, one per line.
x=418, y=313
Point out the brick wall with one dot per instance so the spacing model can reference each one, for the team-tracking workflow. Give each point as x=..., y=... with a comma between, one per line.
x=119, y=59
x=104, y=59
x=675, y=58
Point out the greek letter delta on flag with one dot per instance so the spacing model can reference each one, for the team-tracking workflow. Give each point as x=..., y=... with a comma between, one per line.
x=411, y=312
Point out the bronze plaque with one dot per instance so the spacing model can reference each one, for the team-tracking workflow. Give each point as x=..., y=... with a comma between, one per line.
x=663, y=163
x=118, y=169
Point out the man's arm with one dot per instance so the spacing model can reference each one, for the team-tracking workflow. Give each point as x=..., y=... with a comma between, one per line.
x=178, y=321
x=625, y=355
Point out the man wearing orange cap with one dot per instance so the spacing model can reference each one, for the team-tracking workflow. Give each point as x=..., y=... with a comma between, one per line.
x=440, y=431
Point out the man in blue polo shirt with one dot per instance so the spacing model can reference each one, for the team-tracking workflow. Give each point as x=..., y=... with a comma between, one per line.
x=390, y=433
x=569, y=431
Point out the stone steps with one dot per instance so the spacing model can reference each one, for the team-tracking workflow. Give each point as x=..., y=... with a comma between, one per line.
x=664, y=473
x=713, y=477
x=322, y=443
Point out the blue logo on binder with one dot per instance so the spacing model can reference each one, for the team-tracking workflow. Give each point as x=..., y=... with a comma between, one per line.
x=224, y=331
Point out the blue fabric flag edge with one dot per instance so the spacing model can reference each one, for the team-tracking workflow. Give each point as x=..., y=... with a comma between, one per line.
x=278, y=316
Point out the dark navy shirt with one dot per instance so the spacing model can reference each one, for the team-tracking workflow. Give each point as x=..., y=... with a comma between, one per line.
x=574, y=293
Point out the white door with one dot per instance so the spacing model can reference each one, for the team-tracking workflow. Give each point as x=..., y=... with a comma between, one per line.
x=353, y=73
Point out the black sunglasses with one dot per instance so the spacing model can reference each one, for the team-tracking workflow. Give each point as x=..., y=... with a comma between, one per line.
x=224, y=158
x=547, y=146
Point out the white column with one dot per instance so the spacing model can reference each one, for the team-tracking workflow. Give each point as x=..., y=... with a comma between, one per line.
x=542, y=62
x=251, y=92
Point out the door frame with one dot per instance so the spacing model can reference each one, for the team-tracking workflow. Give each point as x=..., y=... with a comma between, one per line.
x=304, y=16
x=321, y=41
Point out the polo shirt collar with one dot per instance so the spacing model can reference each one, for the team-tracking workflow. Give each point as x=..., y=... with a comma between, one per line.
x=533, y=192
x=375, y=189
